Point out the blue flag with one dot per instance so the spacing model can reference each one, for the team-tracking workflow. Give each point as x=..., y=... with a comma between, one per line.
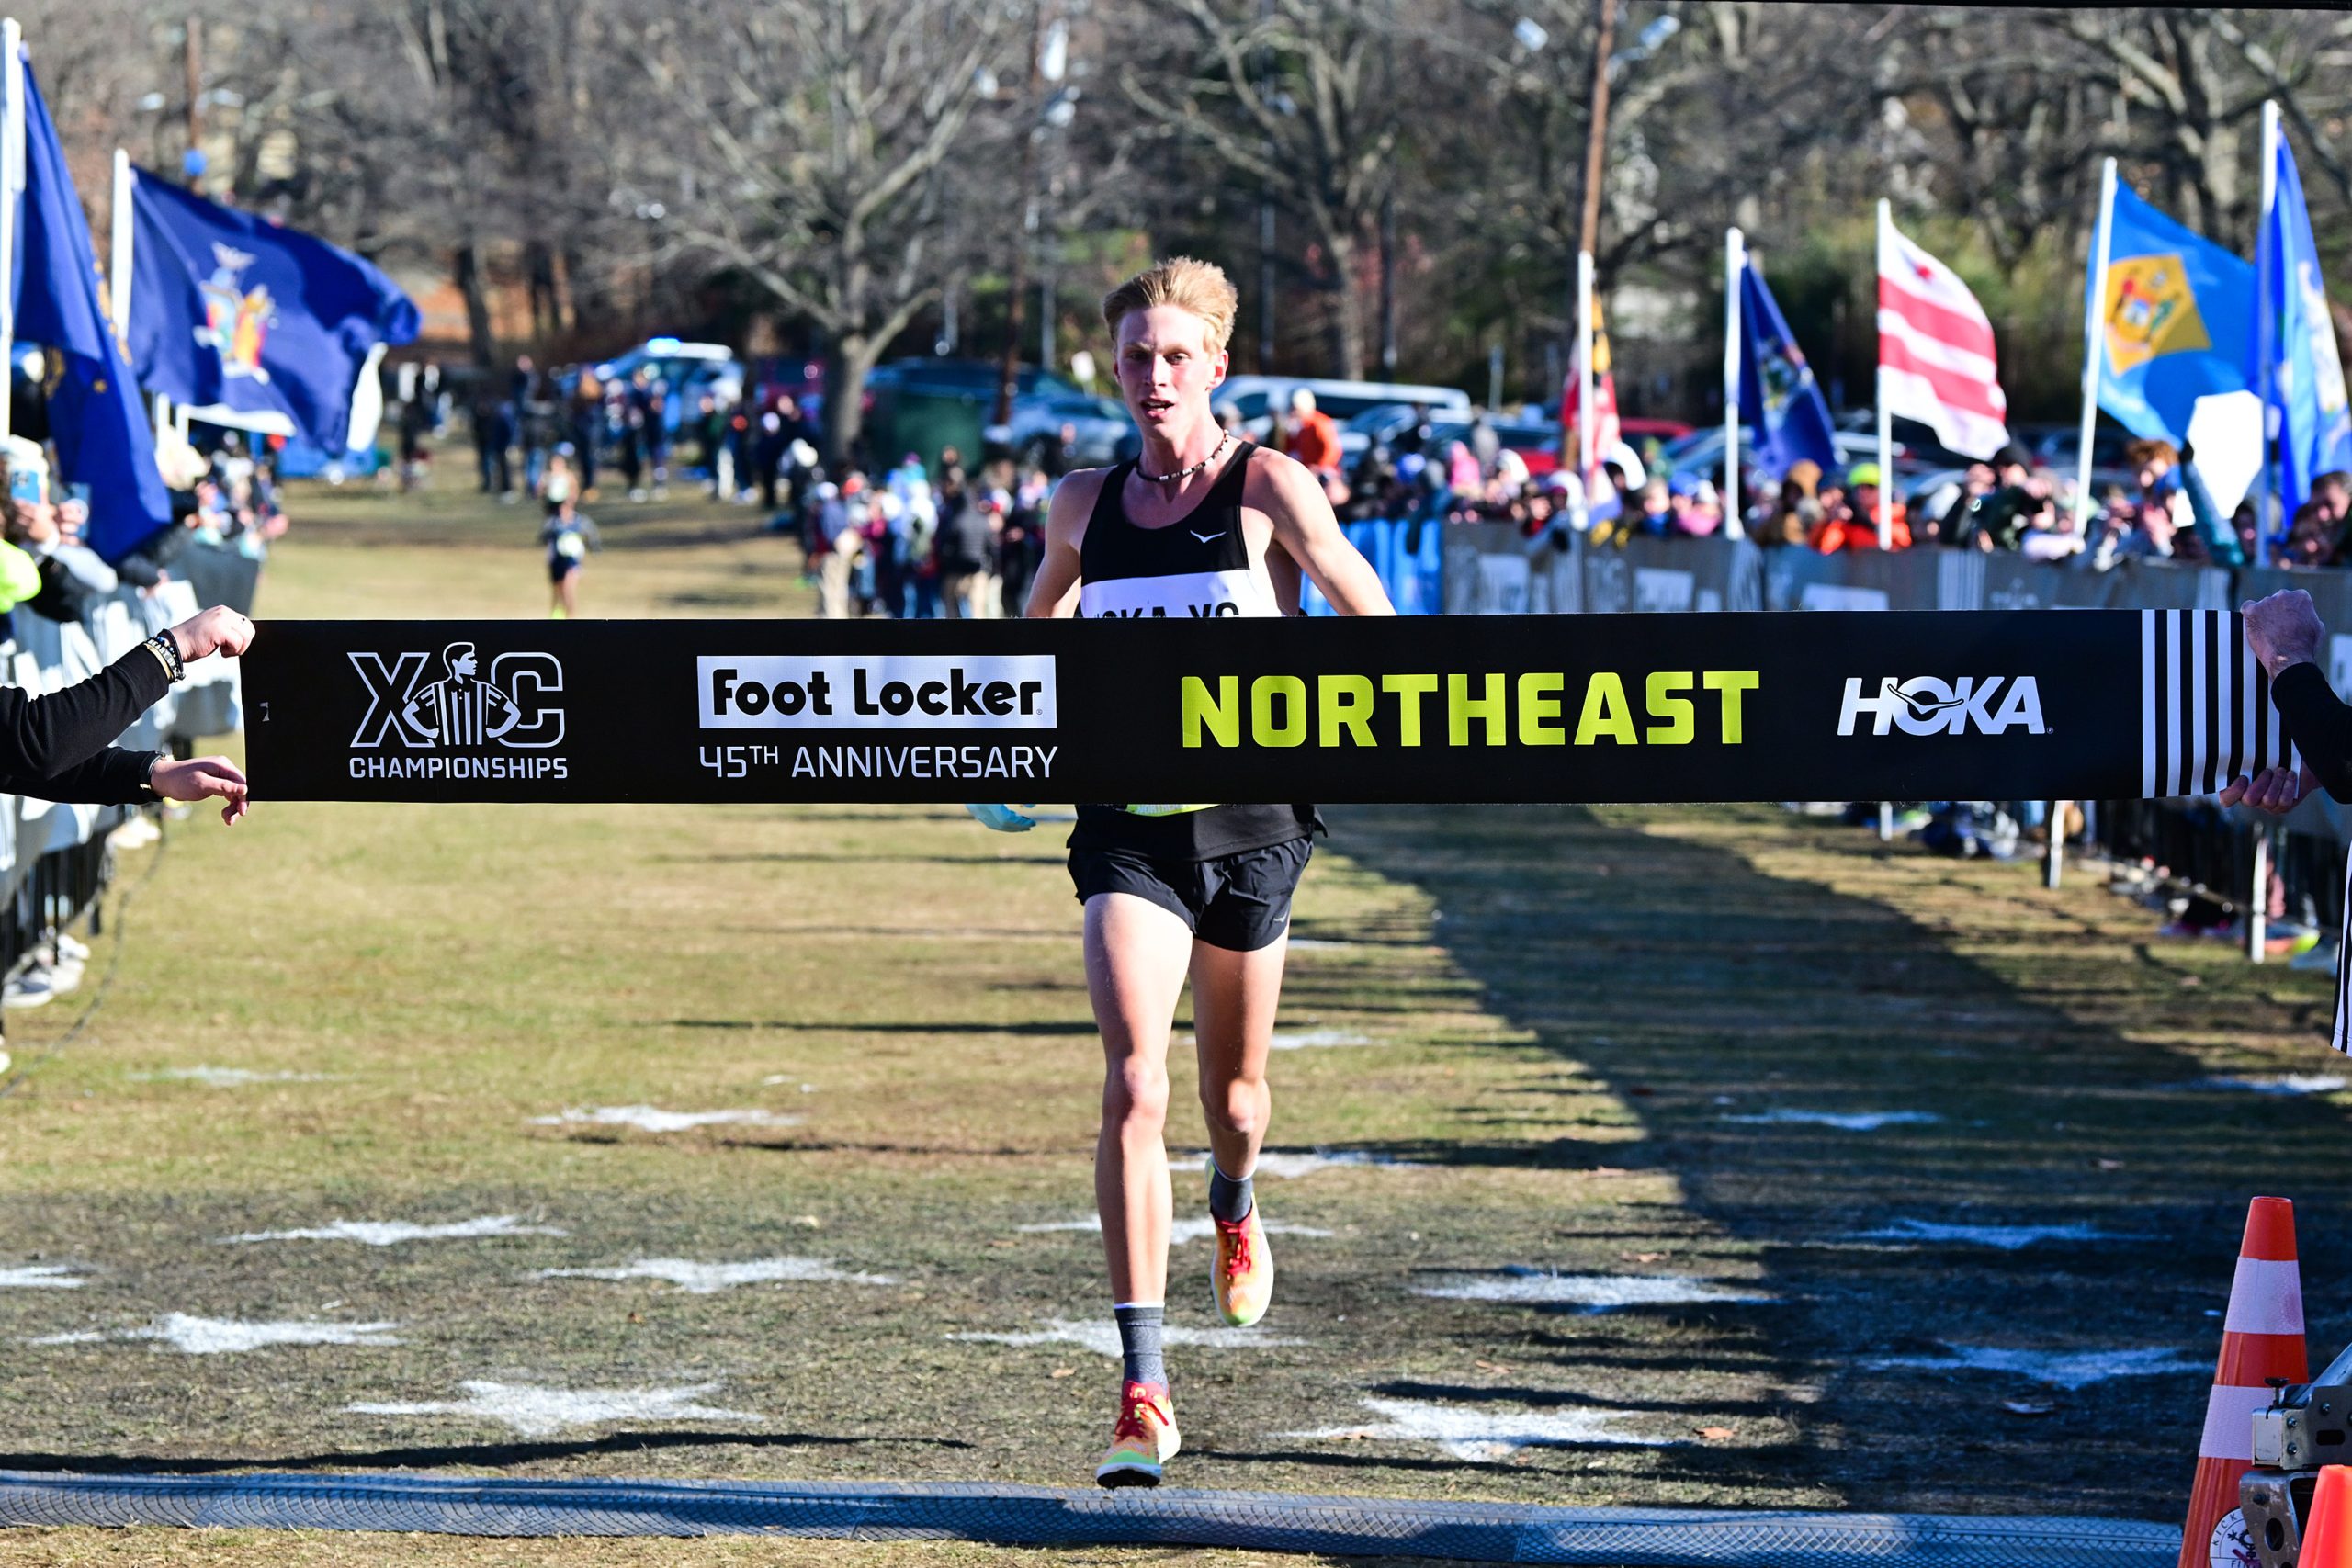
x=2176, y=325
x=2307, y=376
x=232, y=313
x=1778, y=396
x=95, y=414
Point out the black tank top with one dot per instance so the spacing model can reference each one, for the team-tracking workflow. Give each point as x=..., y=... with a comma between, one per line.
x=1198, y=565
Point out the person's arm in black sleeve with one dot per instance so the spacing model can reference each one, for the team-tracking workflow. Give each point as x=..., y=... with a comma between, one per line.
x=113, y=777
x=2318, y=723
x=63, y=740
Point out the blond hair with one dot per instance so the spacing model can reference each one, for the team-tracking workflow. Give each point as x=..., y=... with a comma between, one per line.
x=1199, y=287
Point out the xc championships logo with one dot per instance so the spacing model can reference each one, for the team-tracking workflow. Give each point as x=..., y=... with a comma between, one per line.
x=456, y=722
x=1924, y=705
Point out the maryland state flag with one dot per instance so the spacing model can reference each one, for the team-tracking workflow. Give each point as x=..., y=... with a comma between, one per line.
x=1607, y=432
x=2174, y=324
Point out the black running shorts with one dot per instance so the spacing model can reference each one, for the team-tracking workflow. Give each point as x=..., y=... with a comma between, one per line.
x=1240, y=902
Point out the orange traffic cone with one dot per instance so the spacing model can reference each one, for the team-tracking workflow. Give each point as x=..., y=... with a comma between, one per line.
x=2327, y=1528
x=2261, y=1339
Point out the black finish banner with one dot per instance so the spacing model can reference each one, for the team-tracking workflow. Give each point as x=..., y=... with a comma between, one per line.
x=1972, y=704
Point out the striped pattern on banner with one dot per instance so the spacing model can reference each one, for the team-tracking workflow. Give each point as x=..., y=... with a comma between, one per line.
x=2205, y=713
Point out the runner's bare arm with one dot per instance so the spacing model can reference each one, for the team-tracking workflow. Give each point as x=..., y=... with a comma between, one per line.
x=1290, y=494
x=1054, y=590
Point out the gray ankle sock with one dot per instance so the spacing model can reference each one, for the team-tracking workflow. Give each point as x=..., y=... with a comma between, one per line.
x=1139, y=1343
x=1230, y=1199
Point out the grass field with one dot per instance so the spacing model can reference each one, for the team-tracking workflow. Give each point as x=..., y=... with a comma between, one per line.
x=1568, y=1227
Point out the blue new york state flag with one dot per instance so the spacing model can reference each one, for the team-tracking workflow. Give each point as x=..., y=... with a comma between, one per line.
x=233, y=313
x=2315, y=425
x=95, y=414
x=1777, y=396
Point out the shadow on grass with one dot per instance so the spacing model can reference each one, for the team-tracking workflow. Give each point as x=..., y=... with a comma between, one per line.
x=447, y=1455
x=1030, y=1027
x=1701, y=989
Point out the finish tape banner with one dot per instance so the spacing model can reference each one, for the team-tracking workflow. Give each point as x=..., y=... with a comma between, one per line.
x=1907, y=705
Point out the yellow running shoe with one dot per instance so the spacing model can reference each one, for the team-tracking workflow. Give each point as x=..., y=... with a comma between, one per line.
x=1144, y=1439
x=1245, y=1270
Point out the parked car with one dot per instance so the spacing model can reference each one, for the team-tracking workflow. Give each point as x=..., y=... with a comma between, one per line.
x=1260, y=398
x=688, y=369
x=1537, y=443
x=1101, y=431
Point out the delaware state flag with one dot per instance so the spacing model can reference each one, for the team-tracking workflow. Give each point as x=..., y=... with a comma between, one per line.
x=2177, y=323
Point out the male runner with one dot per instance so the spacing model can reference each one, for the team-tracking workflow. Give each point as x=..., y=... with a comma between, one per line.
x=1201, y=524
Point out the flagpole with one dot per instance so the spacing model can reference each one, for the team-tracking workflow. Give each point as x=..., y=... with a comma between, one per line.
x=12, y=165
x=2094, y=347
x=119, y=253
x=2266, y=325
x=1885, y=418
x=1587, y=466
x=1734, y=263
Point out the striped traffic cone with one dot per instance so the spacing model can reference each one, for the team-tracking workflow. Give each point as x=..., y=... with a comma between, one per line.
x=2262, y=1340
x=2327, y=1528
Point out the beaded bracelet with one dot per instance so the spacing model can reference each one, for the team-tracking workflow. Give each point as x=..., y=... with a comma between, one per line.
x=174, y=666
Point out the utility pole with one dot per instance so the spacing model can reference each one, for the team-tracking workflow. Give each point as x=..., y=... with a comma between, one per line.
x=1265, y=219
x=1596, y=146
x=1388, y=219
x=192, y=69
x=1032, y=102
x=1388, y=284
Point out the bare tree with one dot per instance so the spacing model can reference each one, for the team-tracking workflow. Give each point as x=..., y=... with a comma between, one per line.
x=816, y=148
x=1299, y=97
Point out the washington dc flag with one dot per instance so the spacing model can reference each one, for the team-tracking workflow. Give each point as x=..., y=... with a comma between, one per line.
x=1935, y=350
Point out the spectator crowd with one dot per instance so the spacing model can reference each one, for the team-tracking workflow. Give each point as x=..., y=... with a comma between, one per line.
x=955, y=537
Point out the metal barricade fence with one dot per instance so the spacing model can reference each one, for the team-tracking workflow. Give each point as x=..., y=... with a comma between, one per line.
x=54, y=862
x=1493, y=569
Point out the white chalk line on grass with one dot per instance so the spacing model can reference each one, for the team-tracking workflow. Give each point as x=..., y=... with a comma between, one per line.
x=1309, y=1039
x=230, y=1078
x=708, y=1278
x=2066, y=1370
x=2007, y=1238
x=1484, y=1435
x=645, y=1118
x=40, y=1277
x=530, y=1411
x=1191, y=1228
x=1101, y=1337
x=391, y=1232
x=2287, y=1084
x=1285, y=1166
x=1847, y=1121
x=217, y=1336
x=1594, y=1292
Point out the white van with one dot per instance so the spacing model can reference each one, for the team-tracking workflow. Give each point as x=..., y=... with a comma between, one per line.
x=1260, y=398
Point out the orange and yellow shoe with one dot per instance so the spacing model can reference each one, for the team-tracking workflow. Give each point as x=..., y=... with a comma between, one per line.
x=1245, y=1270
x=1144, y=1439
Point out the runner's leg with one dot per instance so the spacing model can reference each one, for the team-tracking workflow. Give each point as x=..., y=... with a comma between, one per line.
x=1136, y=956
x=1235, y=996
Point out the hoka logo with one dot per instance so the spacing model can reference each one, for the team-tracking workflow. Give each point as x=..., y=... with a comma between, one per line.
x=1927, y=706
